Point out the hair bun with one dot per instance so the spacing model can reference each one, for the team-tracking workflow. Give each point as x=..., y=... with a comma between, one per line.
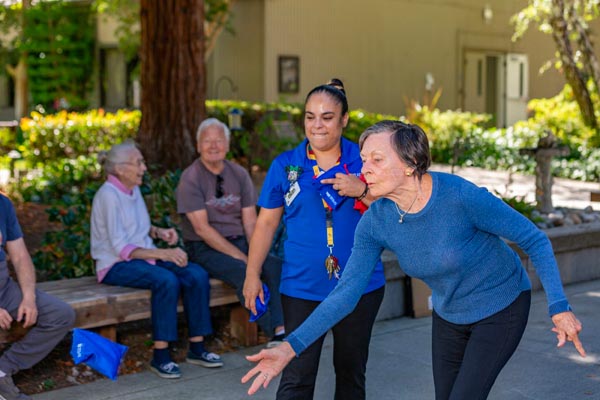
x=338, y=84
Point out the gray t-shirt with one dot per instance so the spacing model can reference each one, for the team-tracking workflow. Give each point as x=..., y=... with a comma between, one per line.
x=197, y=190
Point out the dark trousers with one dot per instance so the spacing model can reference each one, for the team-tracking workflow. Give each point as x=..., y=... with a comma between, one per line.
x=351, y=337
x=233, y=272
x=468, y=358
x=166, y=281
x=54, y=320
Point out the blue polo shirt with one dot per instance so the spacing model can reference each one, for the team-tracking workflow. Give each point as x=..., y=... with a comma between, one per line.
x=303, y=273
x=9, y=226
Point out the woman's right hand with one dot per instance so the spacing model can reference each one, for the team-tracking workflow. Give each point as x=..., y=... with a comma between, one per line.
x=253, y=288
x=175, y=255
x=270, y=364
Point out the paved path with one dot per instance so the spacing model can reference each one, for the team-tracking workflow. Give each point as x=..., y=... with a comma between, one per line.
x=399, y=365
x=565, y=192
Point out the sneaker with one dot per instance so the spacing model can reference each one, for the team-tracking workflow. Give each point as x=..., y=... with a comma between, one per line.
x=206, y=359
x=9, y=391
x=275, y=341
x=168, y=370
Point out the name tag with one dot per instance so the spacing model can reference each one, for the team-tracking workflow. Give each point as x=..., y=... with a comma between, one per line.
x=291, y=194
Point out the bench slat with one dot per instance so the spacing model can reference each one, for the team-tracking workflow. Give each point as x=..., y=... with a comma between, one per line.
x=98, y=305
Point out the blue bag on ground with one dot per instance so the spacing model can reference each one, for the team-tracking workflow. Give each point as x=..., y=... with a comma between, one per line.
x=99, y=353
x=260, y=307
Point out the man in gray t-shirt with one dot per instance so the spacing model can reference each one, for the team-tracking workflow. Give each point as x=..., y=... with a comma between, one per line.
x=217, y=201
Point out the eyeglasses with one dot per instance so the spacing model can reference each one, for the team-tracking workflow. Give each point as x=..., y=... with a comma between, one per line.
x=136, y=163
x=219, y=192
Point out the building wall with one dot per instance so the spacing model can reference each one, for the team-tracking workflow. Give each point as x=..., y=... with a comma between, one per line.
x=383, y=51
x=237, y=61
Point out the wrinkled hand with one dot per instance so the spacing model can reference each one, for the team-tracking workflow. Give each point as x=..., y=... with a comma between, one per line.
x=253, y=288
x=27, y=312
x=176, y=256
x=270, y=364
x=346, y=184
x=169, y=235
x=5, y=319
x=567, y=328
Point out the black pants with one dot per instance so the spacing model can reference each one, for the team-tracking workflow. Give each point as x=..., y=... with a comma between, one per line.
x=468, y=358
x=351, y=337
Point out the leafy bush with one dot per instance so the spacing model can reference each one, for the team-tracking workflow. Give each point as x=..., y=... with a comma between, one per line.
x=52, y=137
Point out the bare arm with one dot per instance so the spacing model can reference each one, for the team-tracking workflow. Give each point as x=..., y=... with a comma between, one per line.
x=249, y=221
x=266, y=225
x=199, y=220
x=174, y=255
x=25, y=271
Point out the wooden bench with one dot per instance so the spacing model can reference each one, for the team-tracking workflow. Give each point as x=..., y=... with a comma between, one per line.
x=102, y=307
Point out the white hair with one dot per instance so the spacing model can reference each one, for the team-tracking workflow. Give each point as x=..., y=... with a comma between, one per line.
x=207, y=123
x=117, y=154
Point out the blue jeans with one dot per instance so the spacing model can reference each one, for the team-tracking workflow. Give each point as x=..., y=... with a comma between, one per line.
x=166, y=281
x=468, y=358
x=233, y=272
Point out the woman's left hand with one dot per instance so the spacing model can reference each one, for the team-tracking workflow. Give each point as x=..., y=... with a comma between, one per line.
x=567, y=328
x=270, y=364
x=169, y=235
x=346, y=184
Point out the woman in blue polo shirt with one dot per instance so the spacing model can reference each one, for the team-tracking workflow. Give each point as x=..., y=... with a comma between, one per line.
x=320, y=216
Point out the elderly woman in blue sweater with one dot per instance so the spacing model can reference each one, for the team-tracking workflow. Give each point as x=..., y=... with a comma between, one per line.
x=447, y=232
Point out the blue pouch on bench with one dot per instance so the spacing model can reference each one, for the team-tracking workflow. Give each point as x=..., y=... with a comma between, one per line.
x=99, y=353
x=260, y=307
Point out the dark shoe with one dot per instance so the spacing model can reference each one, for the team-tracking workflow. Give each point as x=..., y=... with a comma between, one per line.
x=168, y=370
x=275, y=341
x=206, y=359
x=8, y=390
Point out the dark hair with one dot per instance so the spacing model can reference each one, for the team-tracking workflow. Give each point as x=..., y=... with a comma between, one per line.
x=408, y=141
x=335, y=89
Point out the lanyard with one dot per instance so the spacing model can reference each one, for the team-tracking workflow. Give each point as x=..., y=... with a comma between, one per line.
x=328, y=211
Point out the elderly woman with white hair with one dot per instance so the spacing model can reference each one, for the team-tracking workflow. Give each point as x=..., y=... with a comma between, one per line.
x=122, y=246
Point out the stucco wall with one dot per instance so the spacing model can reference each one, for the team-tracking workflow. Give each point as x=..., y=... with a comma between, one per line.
x=382, y=50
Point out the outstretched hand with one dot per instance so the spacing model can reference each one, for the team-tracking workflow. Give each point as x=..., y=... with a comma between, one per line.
x=567, y=328
x=270, y=364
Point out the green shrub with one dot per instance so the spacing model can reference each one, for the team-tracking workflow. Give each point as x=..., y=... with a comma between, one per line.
x=52, y=137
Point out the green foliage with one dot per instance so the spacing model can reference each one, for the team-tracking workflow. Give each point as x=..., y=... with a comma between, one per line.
x=360, y=120
x=523, y=207
x=59, y=41
x=48, y=138
x=65, y=253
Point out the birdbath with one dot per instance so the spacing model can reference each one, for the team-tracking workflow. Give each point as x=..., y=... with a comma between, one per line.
x=546, y=149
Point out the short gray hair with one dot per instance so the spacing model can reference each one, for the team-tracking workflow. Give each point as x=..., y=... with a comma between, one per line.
x=117, y=154
x=207, y=123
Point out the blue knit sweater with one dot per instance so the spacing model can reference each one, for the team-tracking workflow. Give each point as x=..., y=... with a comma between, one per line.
x=455, y=245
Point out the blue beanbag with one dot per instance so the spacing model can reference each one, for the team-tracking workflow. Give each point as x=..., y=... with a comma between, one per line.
x=99, y=353
x=327, y=192
x=260, y=307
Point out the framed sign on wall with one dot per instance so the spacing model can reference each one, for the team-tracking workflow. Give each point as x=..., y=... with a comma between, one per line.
x=289, y=74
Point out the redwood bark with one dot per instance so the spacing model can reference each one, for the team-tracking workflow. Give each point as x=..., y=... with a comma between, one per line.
x=173, y=80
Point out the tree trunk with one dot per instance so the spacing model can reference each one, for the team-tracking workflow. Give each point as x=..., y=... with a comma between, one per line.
x=572, y=73
x=173, y=81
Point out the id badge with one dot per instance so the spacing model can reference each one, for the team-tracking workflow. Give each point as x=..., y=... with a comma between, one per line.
x=291, y=194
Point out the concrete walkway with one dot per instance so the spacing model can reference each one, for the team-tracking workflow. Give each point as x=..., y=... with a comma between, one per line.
x=399, y=365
